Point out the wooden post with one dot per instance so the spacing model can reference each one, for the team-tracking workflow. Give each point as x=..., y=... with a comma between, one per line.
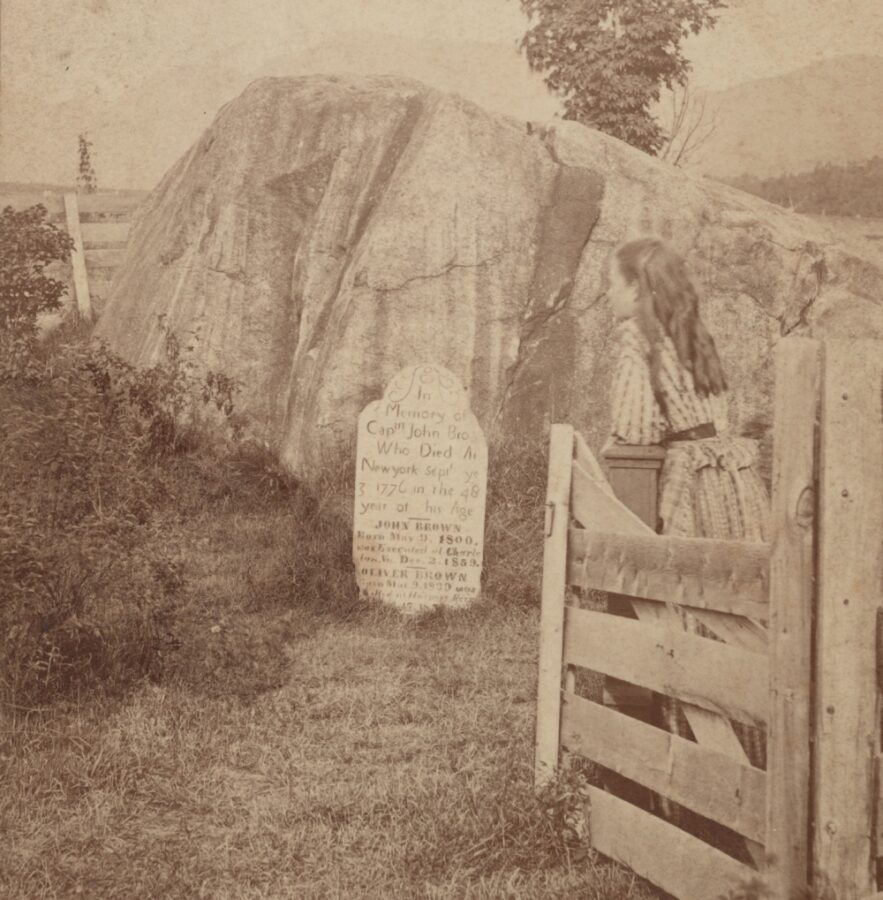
x=850, y=574
x=792, y=597
x=78, y=257
x=552, y=609
x=634, y=475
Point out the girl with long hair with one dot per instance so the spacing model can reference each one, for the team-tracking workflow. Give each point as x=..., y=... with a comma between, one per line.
x=669, y=388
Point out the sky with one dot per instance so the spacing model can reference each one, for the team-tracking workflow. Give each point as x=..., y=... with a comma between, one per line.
x=90, y=55
x=103, y=45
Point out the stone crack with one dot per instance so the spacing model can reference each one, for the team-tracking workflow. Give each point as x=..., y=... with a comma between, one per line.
x=445, y=270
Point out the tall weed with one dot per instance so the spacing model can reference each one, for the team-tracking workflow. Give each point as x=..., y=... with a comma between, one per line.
x=87, y=582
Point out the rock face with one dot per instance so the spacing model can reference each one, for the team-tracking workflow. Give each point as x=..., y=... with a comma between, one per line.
x=324, y=233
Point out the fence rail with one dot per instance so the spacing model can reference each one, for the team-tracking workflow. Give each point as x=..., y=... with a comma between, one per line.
x=670, y=661
x=711, y=783
x=99, y=224
x=721, y=576
x=679, y=863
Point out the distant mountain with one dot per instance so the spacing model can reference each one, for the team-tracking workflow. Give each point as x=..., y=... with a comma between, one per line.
x=830, y=112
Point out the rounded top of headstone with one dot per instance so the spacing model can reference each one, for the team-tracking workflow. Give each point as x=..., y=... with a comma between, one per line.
x=407, y=384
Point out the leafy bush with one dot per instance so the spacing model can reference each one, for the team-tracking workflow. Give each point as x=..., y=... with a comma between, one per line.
x=513, y=544
x=89, y=584
x=256, y=472
x=28, y=245
x=165, y=396
x=81, y=587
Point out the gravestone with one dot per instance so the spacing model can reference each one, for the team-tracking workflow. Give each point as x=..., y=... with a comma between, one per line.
x=421, y=481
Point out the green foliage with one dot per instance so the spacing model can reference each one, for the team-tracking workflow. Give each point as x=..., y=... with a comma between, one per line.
x=84, y=592
x=29, y=243
x=165, y=396
x=610, y=59
x=257, y=472
x=86, y=180
x=89, y=583
x=513, y=545
x=853, y=190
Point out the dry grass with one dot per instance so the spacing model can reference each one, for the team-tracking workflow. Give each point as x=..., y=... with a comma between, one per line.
x=302, y=744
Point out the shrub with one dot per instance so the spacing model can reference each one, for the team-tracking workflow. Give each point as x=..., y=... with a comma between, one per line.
x=165, y=397
x=513, y=543
x=28, y=245
x=255, y=472
x=81, y=586
x=88, y=583
x=323, y=576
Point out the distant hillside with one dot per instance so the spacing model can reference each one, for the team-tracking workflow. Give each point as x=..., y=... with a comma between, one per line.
x=826, y=113
x=853, y=190
x=31, y=187
x=829, y=112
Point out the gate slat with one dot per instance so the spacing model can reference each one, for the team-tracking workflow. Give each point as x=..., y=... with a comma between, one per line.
x=724, y=679
x=850, y=573
x=709, y=783
x=723, y=576
x=552, y=608
x=663, y=854
x=109, y=203
x=792, y=597
x=105, y=233
x=710, y=730
x=736, y=630
x=593, y=503
x=585, y=459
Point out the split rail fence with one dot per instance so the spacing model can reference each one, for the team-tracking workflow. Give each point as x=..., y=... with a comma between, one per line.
x=798, y=651
x=99, y=227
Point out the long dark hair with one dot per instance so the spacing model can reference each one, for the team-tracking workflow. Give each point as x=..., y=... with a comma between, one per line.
x=669, y=305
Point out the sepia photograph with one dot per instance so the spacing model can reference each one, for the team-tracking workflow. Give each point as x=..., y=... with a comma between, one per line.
x=441, y=449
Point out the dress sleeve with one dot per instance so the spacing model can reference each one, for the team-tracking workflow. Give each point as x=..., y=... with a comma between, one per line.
x=636, y=417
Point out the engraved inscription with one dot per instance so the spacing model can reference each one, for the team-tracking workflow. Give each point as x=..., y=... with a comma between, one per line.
x=421, y=480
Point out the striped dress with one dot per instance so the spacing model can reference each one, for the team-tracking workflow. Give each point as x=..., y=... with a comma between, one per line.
x=708, y=487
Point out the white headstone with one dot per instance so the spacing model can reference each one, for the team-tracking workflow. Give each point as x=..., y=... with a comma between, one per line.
x=421, y=482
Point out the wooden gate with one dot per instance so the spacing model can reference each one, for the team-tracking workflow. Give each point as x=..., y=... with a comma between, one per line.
x=797, y=623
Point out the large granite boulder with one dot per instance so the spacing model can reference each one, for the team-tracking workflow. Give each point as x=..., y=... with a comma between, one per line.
x=324, y=233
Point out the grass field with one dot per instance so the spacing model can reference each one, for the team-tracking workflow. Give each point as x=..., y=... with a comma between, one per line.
x=296, y=750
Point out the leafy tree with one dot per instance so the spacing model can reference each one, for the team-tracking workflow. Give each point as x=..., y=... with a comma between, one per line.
x=610, y=59
x=28, y=244
x=86, y=180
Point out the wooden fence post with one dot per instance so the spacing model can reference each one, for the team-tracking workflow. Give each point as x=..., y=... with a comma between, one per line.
x=792, y=596
x=850, y=575
x=552, y=609
x=78, y=257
